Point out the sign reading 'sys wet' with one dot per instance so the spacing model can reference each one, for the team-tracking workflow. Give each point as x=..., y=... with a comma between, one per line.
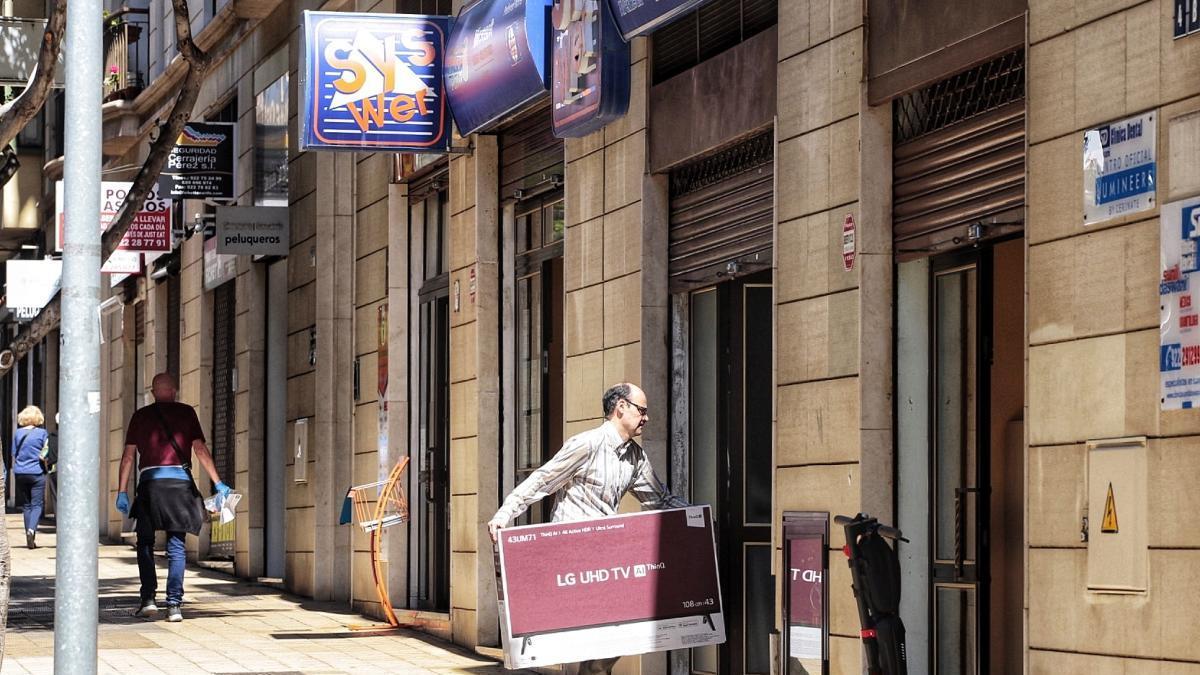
x=1119, y=169
x=374, y=82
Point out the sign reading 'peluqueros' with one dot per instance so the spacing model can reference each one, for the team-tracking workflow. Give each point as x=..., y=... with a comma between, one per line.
x=591, y=68
x=374, y=82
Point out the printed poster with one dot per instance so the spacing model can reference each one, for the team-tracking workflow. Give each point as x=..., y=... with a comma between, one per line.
x=1119, y=170
x=1179, y=323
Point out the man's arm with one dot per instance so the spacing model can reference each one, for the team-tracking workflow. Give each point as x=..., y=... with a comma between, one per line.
x=200, y=450
x=544, y=481
x=126, y=467
x=651, y=492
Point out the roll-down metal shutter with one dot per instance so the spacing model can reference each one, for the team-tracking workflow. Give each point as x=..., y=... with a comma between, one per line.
x=959, y=160
x=722, y=211
x=531, y=158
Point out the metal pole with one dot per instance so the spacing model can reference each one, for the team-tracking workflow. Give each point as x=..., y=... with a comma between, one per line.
x=76, y=608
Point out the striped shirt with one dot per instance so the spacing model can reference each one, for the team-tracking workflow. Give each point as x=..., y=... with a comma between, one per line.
x=589, y=476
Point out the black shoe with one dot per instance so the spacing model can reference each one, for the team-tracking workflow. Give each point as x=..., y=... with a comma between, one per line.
x=147, y=610
x=29, y=539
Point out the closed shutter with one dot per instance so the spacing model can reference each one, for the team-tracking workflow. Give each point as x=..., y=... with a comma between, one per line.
x=959, y=160
x=722, y=211
x=173, y=308
x=224, y=306
x=531, y=158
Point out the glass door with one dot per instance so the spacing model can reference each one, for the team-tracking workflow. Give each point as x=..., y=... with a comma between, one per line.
x=730, y=394
x=958, y=467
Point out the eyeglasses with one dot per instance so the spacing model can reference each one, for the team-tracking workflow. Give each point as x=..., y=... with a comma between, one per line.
x=641, y=409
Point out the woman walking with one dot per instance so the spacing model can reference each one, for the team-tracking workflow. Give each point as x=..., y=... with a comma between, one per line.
x=29, y=448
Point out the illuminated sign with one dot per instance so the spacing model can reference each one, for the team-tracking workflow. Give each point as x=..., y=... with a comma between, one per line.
x=639, y=17
x=497, y=60
x=374, y=82
x=591, y=68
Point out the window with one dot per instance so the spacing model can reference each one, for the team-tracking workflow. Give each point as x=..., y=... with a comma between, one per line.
x=713, y=28
x=437, y=7
x=271, y=144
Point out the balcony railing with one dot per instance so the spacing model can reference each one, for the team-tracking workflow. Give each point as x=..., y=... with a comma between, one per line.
x=126, y=53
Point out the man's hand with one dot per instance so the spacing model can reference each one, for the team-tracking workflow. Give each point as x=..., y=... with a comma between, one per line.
x=123, y=503
x=222, y=489
x=496, y=524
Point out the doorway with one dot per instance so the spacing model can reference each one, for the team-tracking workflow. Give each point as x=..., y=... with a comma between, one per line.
x=730, y=352
x=434, y=476
x=276, y=445
x=965, y=481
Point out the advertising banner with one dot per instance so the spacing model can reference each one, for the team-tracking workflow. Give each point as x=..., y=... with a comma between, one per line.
x=497, y=60
x=591, y=68
x=29, y=285
x=151, y=228
x=626, y=584
x=806, y=603
x=253, y=230
x=1179, y=322
x=202, y=163
x=640, y=17
x=374, y=82
x=1119, y=174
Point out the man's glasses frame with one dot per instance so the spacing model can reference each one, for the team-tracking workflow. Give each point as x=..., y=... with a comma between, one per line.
x=642, y=410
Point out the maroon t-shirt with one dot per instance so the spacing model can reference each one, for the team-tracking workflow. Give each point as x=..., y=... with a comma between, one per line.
x=154, y=446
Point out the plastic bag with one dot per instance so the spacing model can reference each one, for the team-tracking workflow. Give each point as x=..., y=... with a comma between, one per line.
x=226, y=505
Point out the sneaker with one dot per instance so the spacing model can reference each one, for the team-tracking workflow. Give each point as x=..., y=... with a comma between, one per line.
x=174, y=615
x=148, y=609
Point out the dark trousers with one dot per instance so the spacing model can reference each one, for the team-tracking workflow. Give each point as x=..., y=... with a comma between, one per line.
x=176, y=562
x=31, y=495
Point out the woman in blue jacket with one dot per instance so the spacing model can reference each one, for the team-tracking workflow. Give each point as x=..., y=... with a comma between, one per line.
x=29, y=447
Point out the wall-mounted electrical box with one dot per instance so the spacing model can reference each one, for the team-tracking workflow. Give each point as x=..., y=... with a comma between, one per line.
x=1118, y=558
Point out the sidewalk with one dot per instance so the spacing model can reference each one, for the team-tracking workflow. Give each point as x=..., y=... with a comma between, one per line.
x=230, y=626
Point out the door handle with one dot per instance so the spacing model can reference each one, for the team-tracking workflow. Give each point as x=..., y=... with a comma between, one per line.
x=960, y=494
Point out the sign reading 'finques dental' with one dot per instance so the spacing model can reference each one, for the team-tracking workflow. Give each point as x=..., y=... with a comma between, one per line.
x=374, y=82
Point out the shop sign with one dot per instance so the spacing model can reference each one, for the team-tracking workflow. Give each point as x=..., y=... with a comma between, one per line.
x=497, y=60
x=218, y=267
x=1119, y=174
x=1185, y=18
x=202, y=163
x=605, y=587
x=849, y=243
x=591, y=68
x=1179, y=321
x=640, y=17
x=374, y=82
x=29, y=285
x=253, y=230
x=806, y=581
x=151, y=227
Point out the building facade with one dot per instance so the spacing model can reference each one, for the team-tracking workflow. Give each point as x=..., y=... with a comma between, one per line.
x=844, y=248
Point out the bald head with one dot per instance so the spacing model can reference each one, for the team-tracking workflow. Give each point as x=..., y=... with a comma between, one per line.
x=625, y=406
x=163, y=387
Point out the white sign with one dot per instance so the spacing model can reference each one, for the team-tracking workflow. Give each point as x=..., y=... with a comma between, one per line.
x=1179, y=322
x=218, y=267
x=253, y=230
x=30, y=285
x=1119, y=175
x=151, y=227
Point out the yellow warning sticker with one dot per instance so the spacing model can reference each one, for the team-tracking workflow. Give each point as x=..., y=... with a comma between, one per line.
x=1110, y=513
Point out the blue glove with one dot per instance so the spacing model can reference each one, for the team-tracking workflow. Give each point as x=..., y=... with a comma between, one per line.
x=223, y=489
x=123, y=503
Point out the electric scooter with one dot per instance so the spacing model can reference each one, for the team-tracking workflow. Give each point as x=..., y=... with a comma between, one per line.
x=875, y=574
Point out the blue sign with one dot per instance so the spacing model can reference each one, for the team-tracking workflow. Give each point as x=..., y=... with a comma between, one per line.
x=591, y=68
x=496, y=60
x=639, y=17
x=1119, y=168
x=374, y=82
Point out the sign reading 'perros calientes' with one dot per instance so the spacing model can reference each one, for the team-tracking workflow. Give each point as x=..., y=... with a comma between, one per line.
x=591, y=68
x=497, y=60
x=201, y=165
x=374, y=82
x=625, y=584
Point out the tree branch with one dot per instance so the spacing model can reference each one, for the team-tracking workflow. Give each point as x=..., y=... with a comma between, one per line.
x=15, y=114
